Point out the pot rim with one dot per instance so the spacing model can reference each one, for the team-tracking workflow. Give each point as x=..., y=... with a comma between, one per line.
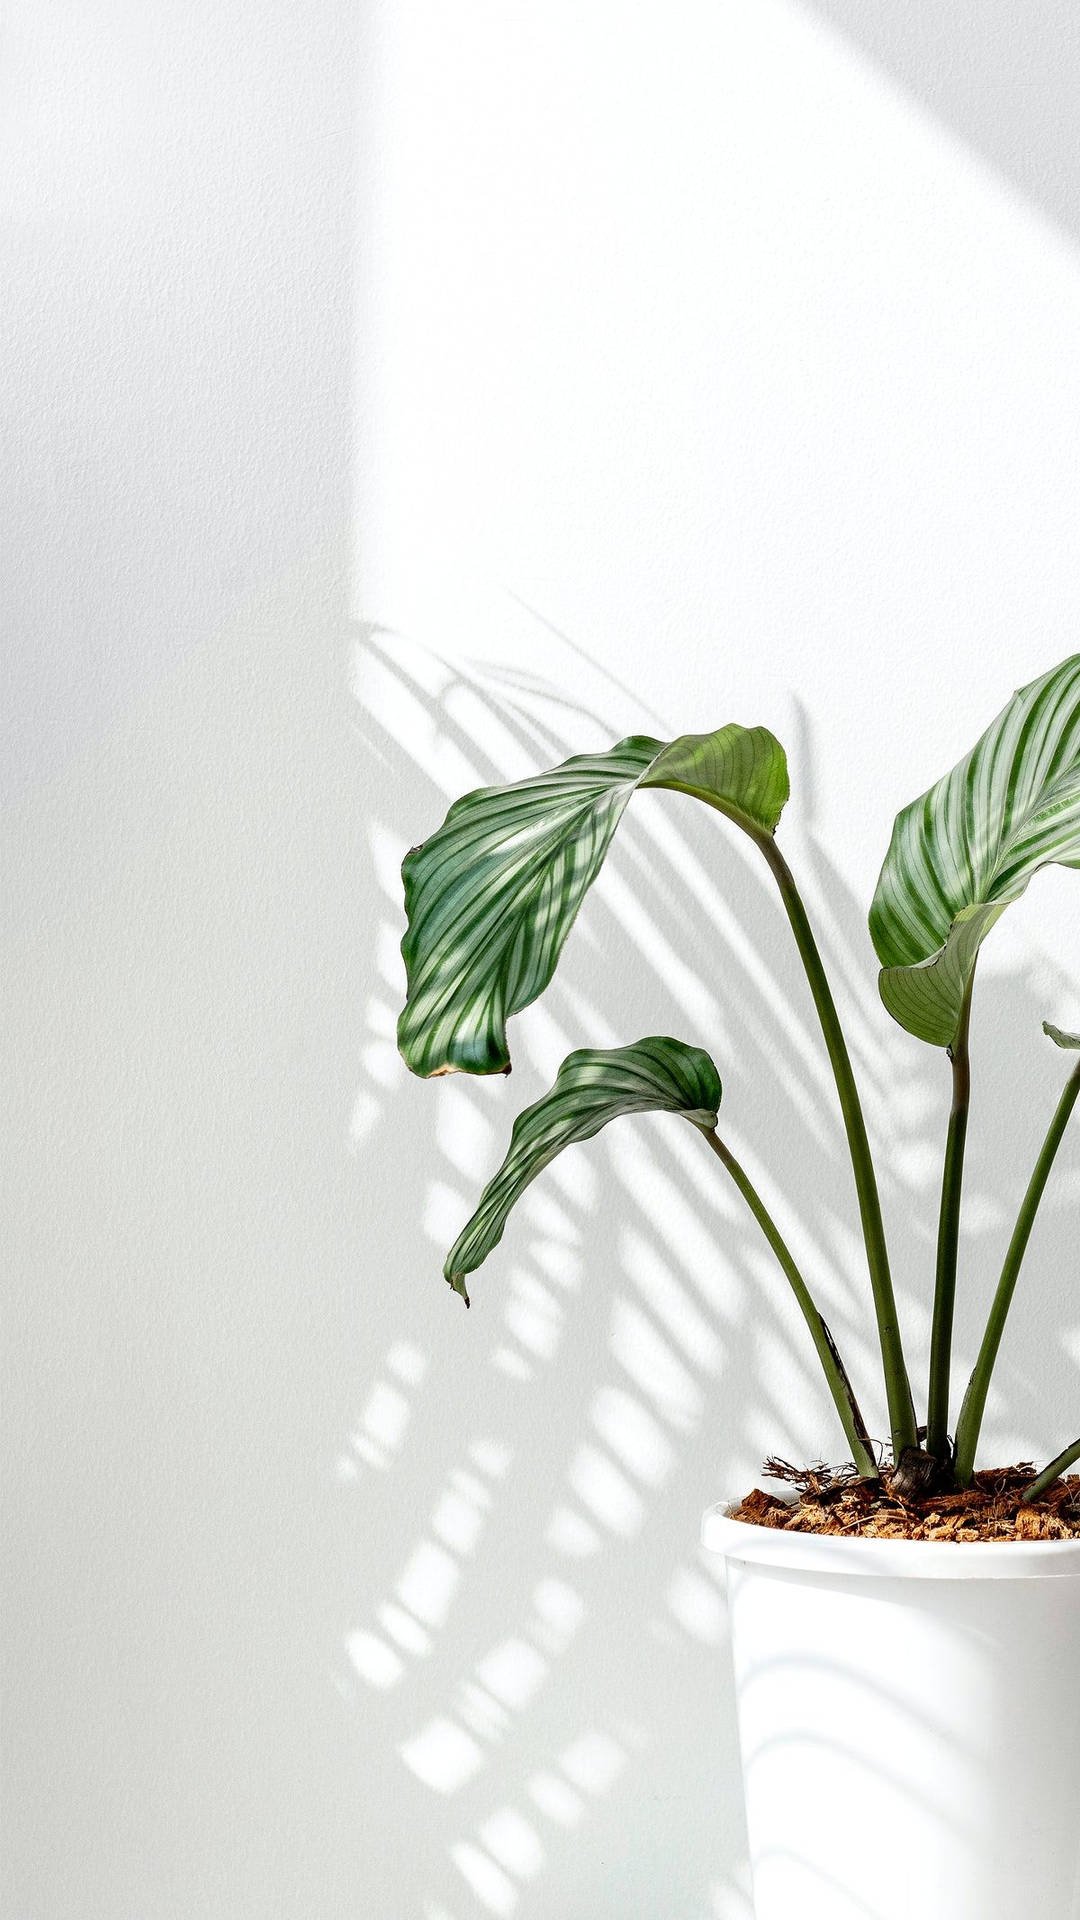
x=743, y=1542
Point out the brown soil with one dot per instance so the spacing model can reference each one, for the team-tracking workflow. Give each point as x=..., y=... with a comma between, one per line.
x=838, y=1502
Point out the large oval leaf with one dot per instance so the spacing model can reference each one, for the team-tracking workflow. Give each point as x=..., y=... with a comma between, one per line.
x=969, y=846
x=591, y=1088
x=492, y=896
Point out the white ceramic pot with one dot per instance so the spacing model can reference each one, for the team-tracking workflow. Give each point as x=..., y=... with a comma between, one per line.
x=909, y=1718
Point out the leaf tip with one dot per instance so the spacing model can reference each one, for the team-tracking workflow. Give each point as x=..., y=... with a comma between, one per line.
x=1069, y=1041
x=457, y=1282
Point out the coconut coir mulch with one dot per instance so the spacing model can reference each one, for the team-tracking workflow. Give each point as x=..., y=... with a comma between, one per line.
x=837, y=1501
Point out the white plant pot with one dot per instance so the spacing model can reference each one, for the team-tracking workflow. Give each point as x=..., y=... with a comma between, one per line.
x=909, y=1719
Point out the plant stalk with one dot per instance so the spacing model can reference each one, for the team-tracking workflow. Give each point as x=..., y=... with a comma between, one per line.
x=952, y=1179
x=969, y=1425
x=1053, y=1472
x=897, y=1383
x=832, y=1366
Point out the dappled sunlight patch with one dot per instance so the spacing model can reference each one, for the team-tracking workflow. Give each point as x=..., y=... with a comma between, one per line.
x=642, y=1262
x=480, y=1712
x=558, y=1612
x=463, y=1132
x=493, y=1457
x=533, y=1315
x=645, y=1355
x=606, y=1492
x=557, y=1799
x=374, y=1661
x=404, y=1628
x=443, y=1756
x=695, y=1604
x=491, y=1885
x=569, y=1533
x=444, y=1209
x=632, y=1435
x=457, y=1521
x=430, y=1579
x=593, y=1762
x=513, y=1672
x=429, y=1582
x=514, y=1842
x=406, y=1360
x=387, y=1411
x=507, y=1360
x=386, y=1416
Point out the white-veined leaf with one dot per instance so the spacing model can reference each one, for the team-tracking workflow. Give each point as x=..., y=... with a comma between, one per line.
x=591, y=1088
x=492, y=896
x=970, y=845
x=1070, y=1041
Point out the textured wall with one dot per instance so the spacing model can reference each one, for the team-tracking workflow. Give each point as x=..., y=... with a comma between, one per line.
x=398, y=403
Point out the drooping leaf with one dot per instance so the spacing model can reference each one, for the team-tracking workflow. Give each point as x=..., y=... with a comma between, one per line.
x=966, y=849
x=1070, y=1041
x=493, y=894
x=591, y=1088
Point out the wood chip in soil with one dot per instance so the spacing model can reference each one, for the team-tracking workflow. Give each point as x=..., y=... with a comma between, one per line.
x=837, y=1502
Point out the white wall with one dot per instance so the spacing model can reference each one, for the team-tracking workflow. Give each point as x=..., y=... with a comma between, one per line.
x=704, y=364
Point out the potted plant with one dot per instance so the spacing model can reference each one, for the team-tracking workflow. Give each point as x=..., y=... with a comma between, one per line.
x=906, y=1632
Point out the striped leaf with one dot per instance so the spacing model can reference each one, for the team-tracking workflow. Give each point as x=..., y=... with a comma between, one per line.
x=1070, y=1041
x=969, y=846
x=491, y=896
x=591, y=1088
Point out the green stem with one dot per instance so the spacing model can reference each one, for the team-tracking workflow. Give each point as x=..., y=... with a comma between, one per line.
x=897, y=1383
x=1053, y=1472
x=937, y=1419
x=832, y=1366
x=971, y=1413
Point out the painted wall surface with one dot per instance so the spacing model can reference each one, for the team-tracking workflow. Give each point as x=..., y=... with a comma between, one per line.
x=398, y=402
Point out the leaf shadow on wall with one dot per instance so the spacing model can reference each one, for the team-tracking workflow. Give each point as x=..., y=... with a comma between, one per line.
x=534, y=1645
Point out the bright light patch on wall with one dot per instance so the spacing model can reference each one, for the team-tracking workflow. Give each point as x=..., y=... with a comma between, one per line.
x=593, y=1762
x=648, y=1359
x=632, y=1435
x=407, y=1362
x=492, y=1887
x=443, y=1756
x=513, y=1672
x=428, y=1583
x=374, y=1661
x=513, y=1364
x=571, y=1534
x=514, y=1842
x=493, y=1457
x=606, y=1491
x=555, y=1799
x=480, y=1712
x=645, y=1262
x=457, y=1522
x=560, y=1610
x=386, y=1415
x=445, y=1213
x=694, y=1602
x=404, y=1629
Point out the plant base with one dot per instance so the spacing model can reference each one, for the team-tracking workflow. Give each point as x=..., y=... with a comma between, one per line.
x=909, y=1718
x=993, y=1508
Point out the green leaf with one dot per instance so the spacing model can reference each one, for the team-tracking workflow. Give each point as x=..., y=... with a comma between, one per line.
x=1070, y=1041
x=591, y=1088
x=493, y=894
x=966, y=849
